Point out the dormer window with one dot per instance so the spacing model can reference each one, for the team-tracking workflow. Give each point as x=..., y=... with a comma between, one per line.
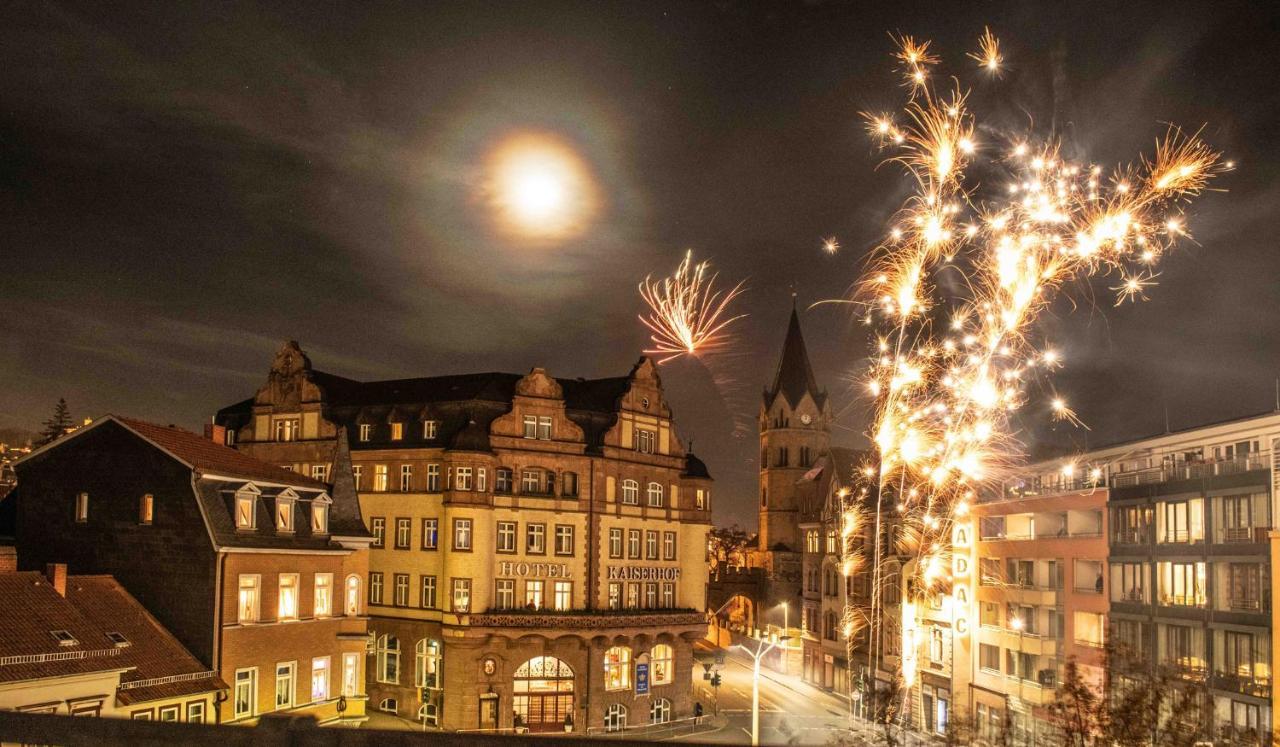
x=287, y=429
x=118, y=640
x=430, y=429
x=530, y=426
x=366, y=431
x=146, y=509
x=544, y=428
x=284, y=513
x=397, y=431
x=245, y=514
x=320, y=515
x=537, y=426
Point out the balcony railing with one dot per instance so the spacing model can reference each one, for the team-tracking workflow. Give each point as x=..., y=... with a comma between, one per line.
x=1132, y=536
x=1171, y=472
x=1183, y=600
x=1243, y=535
x=1258, y=687
x=1244, y=604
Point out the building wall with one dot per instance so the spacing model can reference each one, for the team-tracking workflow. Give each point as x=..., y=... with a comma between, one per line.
x=270, y=641
x=183, y=707
x=59, y=695
x=168, y=565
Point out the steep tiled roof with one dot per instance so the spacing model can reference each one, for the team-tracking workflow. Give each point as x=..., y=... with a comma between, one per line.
x=93, y=607
x=211, y=458
x=456, y=401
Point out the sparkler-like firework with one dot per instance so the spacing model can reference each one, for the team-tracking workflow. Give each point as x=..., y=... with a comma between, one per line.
x=687, y=316
x=951, y=368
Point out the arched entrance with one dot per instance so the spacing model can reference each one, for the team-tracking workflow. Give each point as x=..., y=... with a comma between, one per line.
x=740, y=612
x=543, y=688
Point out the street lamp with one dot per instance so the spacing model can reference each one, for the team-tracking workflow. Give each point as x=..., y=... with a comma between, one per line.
x=786, y=625
x=756, y=656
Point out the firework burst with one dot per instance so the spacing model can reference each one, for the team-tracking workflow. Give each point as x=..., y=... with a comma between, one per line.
x=687, y=315
x=954, y=361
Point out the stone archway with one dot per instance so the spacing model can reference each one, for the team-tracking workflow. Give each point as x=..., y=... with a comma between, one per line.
x=740, y=613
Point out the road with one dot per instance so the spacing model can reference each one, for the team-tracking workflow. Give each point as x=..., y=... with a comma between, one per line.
x=791, y=712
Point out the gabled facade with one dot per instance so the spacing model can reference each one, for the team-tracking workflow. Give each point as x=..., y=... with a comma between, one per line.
x=539, y=542
x=258, y=571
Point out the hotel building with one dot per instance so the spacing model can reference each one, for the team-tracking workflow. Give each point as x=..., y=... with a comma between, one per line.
x=539, y=552
x=259, y=572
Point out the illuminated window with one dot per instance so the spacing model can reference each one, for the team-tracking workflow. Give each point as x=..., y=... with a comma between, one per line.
x=82, y=508
x=563, y=598
x=366, y=431
x=430, y=428
x=533, y=594
x=146, y=509
x=320, y=472
x=397, y=431
x=352, y=604
x=284, y=685
x=662, y=664
x=288, y=599
x=323, y=603
x=668, y=595
x=249, y=597
x=245, y=515
x=617, y=668
x=461, y=595
x=284, y=514
x=615, y=595
x=357, y=473
x=320, y=516
x=700, y=500
x=287, y=429
x=319, y=679
x=380, y=478
x=350, y=674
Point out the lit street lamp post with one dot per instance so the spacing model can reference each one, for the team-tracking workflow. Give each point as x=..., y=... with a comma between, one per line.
x=756, y=656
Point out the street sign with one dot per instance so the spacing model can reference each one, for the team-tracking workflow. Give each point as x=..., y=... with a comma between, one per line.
x=642, y=678
x=720, y=658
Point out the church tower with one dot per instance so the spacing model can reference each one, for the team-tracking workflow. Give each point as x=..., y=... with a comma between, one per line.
x=795, y=431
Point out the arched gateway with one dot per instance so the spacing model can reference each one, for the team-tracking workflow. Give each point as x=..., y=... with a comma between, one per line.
x=543, y=688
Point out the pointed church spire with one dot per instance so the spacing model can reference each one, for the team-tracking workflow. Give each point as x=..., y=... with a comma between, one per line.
x=795, y=375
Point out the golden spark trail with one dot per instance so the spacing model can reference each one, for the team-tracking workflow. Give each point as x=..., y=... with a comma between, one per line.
x=686, y=315
x=954, y=362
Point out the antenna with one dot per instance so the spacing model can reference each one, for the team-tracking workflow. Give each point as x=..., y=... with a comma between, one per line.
x=1166, y=416
x=1278, y=395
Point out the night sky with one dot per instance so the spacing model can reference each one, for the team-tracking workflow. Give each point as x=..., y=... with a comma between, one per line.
x=183, y=188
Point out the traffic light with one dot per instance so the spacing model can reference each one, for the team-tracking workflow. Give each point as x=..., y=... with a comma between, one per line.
x=715, y=680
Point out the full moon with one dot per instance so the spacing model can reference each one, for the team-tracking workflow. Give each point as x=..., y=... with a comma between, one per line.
x=539, y=188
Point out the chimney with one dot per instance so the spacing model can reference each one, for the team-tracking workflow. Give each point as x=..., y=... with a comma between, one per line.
x=8, y=559
x=216, y=433
x=57, y=573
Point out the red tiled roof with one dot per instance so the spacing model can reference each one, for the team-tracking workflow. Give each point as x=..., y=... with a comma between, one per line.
x=212, y=458
x=93, y=607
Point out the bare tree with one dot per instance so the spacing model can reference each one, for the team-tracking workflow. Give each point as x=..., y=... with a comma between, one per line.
x=728, y=545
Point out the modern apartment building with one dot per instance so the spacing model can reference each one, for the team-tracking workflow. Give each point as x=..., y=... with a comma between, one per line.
x=258, y=571
x=539, y=551
x=1184, y=582
x=1041, y=598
